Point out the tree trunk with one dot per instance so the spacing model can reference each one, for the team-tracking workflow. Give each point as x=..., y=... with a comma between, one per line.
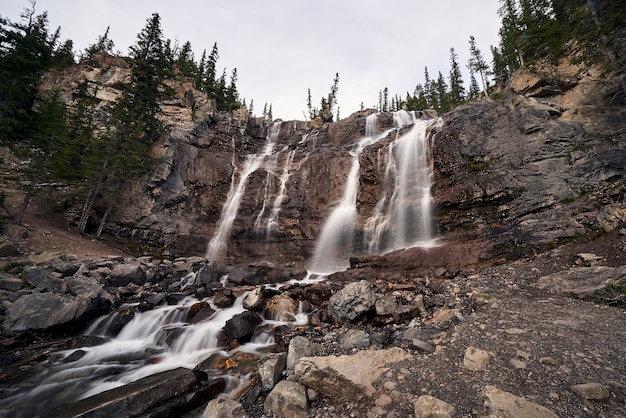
x=91, y=197
x=103, y=221
x=23, y=207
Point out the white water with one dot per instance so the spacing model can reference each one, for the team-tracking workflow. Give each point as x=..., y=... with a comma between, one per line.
x=403, y=216
x=335, y=244
x=153, y=341
x=218, y=244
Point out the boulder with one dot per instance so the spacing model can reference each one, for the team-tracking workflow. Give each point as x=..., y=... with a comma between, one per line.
x=224, y=408
x=241, y=326
x=475, y=359
x=500, y=404
x=125, y=274
x=430, y=407
x=287, y=399
x=594, y=283
x=270, y=368
x=39, y=311
x=299, y=347
x=351, y=302
x=134, y=398
x=348, y=376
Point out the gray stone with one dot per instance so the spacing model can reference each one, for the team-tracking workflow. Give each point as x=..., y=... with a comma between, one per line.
x=430, y=407
x=348, y=376
x=241, y=325
x=387, y=305
x=592, y=391
x=500, y=404
x=224, y=408
x=10, y=283
x=254, y=299
x=134, y=398
x=354, y=300
x=40, y=311
x=354, y=338
x=125, y=274
x=288, y=399
x=423, y=346
x=475, y=359
x=270, y=368
x=582, y=282
x=298, y=347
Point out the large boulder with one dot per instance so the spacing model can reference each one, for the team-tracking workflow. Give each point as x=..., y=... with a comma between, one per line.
x=347, y=376
x=353, y=301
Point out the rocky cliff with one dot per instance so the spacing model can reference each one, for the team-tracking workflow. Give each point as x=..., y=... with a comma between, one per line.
x=540, y=165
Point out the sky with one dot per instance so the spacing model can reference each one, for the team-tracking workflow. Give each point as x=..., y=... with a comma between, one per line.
x=284, y=48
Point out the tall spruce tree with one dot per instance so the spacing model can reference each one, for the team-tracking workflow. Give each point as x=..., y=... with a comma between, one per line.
x=477, y=64
x=457, y=90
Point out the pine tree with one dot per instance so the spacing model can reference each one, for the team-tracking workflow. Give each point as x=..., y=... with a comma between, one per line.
x=443, y=98
x=477, y=64
x=457, y=90
x=185, y=61
x=474, y=88
x=26, y=50
x=103, y=44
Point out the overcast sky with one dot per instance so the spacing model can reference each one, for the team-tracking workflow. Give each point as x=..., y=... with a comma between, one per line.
x=282, y=48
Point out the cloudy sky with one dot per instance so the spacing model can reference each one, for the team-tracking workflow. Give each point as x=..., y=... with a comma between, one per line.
x=282, y=48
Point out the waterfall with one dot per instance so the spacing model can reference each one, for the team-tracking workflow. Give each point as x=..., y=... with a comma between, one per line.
x=403, y=216
x=335, y=243
x=218, y=244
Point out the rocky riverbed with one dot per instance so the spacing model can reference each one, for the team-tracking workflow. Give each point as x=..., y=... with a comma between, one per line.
x=541, y=332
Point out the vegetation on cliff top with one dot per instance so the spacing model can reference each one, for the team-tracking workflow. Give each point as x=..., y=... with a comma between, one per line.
x=101, y=150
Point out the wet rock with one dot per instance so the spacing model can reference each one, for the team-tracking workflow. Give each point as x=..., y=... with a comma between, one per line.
x=281, y=308
x=241, y=326
x=353, y=301
x=475, y=359
x=134, y=398
x=224, y=408
x=287, y=399
x=430, y=407
x=270, y=368
x=500, y=404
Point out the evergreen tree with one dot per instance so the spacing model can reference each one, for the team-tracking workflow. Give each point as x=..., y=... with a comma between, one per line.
x=457, y=90
x=443, y=98
x=332, y=96
x=26, y=51
x=474, y=88
x=477, y=64
x=103, y=44
x=185, y=61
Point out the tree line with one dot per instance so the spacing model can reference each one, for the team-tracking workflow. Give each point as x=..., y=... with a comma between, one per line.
x=98, y=149
x=590, y=31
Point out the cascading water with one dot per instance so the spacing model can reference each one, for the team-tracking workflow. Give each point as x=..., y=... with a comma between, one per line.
x=403, y=216
x=335, y=243
x=218, y=244
x=153, y=341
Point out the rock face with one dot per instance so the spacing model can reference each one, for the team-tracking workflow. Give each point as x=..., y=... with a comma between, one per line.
x=541, y=166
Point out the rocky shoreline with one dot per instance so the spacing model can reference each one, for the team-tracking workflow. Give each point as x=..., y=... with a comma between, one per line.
x=464, y=343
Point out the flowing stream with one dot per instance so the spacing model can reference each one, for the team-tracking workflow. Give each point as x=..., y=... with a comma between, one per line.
x=166, y=337
x=153, y=341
